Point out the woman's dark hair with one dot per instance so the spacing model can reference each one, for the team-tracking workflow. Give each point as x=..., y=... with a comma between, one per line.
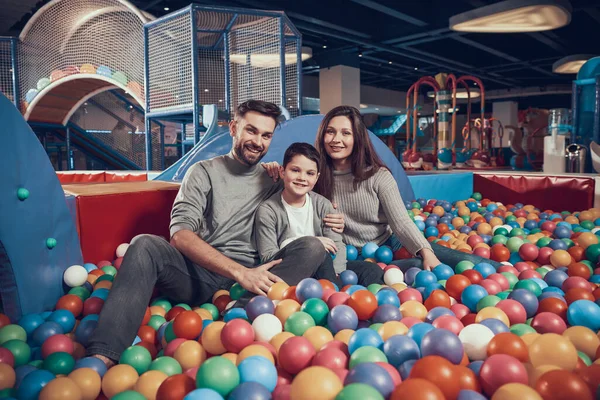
x=301, y=149
x=261, y=107
x=364, y=161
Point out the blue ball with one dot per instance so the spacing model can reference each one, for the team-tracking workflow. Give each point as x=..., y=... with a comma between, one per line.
x=308, y=288
x=351, y=252
x=21, y=372
x=342, y=317
x=64, y=318
x=495, y=325
x=354, y=288
x=555, y=278
x=249, y=391
x=422, y=201
x=432, y=231
x=399, y=348
x=102, y=293
x=387, y=297
x=89, y=267
x=405, y=369
x=420, y=224
x=203, y=394
x=369, y=249
x=259, y=305
x=485, y=269
x=466, y=394
x=93, y=363
x=430, y=288
x=30, y=323
x=437, y=312
x=514, y=258
x=33, y=383
x=543, y=285
x=84, y=331
x=384, y=254
x=424, y=278
x=557, y=244
x=234, y=313
x=530, y=224
x=410, y=275
x=471, y=296
x=417, y=331
x=475, y=366
x=443, y=272
x=556, y=295
x=372, y=375
x=443, y=343
x=465, y=229
x=349, y=277
x=90, y=317
x=260, y=370
x=44, y=331
x=385, y=313
x=527, y=300
x=584, y=313
x=364, y=337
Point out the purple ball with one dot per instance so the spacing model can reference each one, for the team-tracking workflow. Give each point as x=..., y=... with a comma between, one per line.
x=470, y=395
x=443, y=343
x=475, y=366
x=399, y=348
x=495, y=325
x=410, y=274
x=437, y=312
x=349, y=277
x=387, y=312
x=527, y=300
x=259, y=305
x=342, y=317
x=405, y=368
x=308, y=288
x=555, y=278
x=372, y=375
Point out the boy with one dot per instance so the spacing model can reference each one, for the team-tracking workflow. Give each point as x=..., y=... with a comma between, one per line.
x=296, y=211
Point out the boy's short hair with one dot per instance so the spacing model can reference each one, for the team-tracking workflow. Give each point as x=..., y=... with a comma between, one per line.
x=259, y=106
x=301, y=149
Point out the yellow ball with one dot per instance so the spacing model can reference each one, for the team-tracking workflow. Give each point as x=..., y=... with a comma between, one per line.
x=89, y=382
x=413, y=308
x=584, y=339
x=211, y=338
x=392, y=328
x=318, y=336
x=344, y=335
x=118, y=379
x=149, y=383
x=494, y=313
x=255, y=350
x=315, y=383
x=512, y=391
x=61, y=388
x=190, y=354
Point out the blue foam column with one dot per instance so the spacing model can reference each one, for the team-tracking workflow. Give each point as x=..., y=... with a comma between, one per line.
x=38, y=238
x=300, y=129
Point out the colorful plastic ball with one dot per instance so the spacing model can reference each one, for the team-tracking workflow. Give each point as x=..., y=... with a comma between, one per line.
x=166, y=364
x=250, y=391
x=88, y=381
x=308, y=288
x=92, y=363
x=424, y=278
x=12, y=332
x=553, y=349
x=237, y=334
x=527, y=299
x=373, y=375
x=260, y=370
x=399, y=349
x=440, y=372
x=495, y=325
x=475, y=339
x=387, y=312
x=501, y=369
x=584, y=313
x=315, y=383
x=57, y=343
x=33, y=383
x=547, y=322
x=441, y=342
x=61, y=388
x=384, y=254
x=203, y=394
x=584, y=339
x=364, y=337
x=342, y=317
x=260, y=305
x=138, y=357
x=418, y=331
x=556, y=384
x=75, y=275
x=218, y=374
x=351, y=253
x=369, y=249
x=393, y=276
x=295, y=354
x=298, y=323
x=471, y=295
x=349, y=277
x=387, y=297
x=359, y=391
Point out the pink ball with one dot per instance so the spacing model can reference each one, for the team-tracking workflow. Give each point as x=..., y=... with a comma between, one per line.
x=449, y=323
x=547, y=322
x=491, y=286
x=460, y=310
x=282, y=392
x=296, y=354
x=118, y=262
x=7, y=357
x=57, y=344
x=576, y=282
x=388, y=267
x=410, y=321
x=522, y=266
x=514, y=311
x=529, y=251
x=482, y=252
x=172, y=346
x=409, y=294
x=474, y=240
x=337, y=298
x=103, y=263
x=327, y=294
x=283, y=378
x=330, y=358
x=500, y=369
x=508, y=268
x=394, y=374
x=549, y=226
x=382, y=265
x=192, y=372
x=236, y=335
x=544, y=256
x=501, y=279
x=528, y=274
x=341, y=373
x=336, y=344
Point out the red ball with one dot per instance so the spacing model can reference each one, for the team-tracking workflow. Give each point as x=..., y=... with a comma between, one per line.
x=236, y=335
x=499, y=252
x=175, y=387
x=70, y=302
x=402, y=254
x=514, y=311
x=282, y=392
x=147, y=334
x=468, y=319
x=455, y=285
x=92, y=305
x=336, y=344
x=410, y=321
x=173, y=345
x=474, y=240
x=409, y=294
x=7, y=357
x=579, y=269
x=147, y=316
x=491, y=286
x=575, y=294
x=295, y=354
x=473, y=275
x=331, y=358
x=364, y=303
x=548, y=226
x=560, y=384
x=482, y=252
x=337, y=298
x=438, y=371
x=544, y=255
x=118, y=262
x=187, y=325
x=460, y=310
x=393, y=372
x=553, y=305
x=57, y=344
x=500, y=369
x=449, y=322
x=529, y=251
x=437, y=298
x=501, y=280
x=508, y=268
x=174, y=312
x=573, y=282
x=522, y=266
x=4, y=320
x=150, y=347
x=283, y=378
x=547, y=322
x=528, y=274
x=222, y=301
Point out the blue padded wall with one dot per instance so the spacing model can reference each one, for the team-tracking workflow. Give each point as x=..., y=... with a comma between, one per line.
x=31, y=273
x=301, y=129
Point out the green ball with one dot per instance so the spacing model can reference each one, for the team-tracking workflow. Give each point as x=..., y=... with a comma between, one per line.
x=514, y=243
x=376, y=326
x=503, y=295
x=415, y=204
x=542, y=271
x=168, y=365
x=50, y=243
x=59, y=363
x=517, y=232
x=585, y=358
x=443, y=282
x=487, y=301
x=298, y=323
x=477, y=196
x=128, y=395
x=501, y=231
x=466, y=218
x=367, y=354
x=521, y=329
x=12, y=332
x=482, y=210
x=317, y=309
x=499, y=238
x=510, y=218
x=528, y=321
x=110, y=270
x=411, y=214
x=589, y=264
x=374, y=288
x=170, y=333
x=236, y=291
x=587, y=225
x=164, y=303
x=543, y=242
x=218, y=374
x=535, y=230
x=8, y=393
x=530, y=285
x=20, y=350
x=592, y=252
x=22, y=194
x=105, y=277
x=359, y=391
x=156, y=321
x=568, y=242
x=512, y=279
x=463, y=265
x=184, y=306
x=212, y=309
x=138, y=357
x=80, y=292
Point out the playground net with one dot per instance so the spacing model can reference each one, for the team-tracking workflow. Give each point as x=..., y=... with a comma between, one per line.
x=6, y=72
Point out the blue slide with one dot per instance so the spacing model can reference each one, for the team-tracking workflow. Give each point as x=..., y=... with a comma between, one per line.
x=38, y=238
x=301, y=129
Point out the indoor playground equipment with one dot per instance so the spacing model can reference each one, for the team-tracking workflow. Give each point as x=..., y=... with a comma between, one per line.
x=388, y=134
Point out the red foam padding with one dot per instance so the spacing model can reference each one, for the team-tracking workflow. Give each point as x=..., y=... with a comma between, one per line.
x=125, y=177
x=557, y=193
x=106, y=221
x=81, y=177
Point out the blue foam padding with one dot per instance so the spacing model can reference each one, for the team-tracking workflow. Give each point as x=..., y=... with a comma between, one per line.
x=31, y=275
x=301, y=129
x=442, y=186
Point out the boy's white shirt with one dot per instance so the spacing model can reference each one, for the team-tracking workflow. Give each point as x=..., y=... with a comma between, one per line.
x=300, y=220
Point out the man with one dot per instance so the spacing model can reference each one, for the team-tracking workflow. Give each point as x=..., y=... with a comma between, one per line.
x=211, y=243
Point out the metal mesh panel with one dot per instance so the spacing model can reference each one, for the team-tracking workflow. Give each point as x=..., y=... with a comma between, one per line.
x=170, y=64
x=291, y=79
x=6, y=73
x=211, y=77
x=259, y=76
x=103, y=37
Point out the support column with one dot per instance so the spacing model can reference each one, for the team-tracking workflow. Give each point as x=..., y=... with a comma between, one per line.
x=339, y=85
x=508, y=113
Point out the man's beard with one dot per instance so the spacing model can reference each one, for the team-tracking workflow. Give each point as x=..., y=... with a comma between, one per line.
x=242, y=153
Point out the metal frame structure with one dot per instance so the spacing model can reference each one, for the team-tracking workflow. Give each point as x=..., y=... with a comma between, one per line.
x=13, y=61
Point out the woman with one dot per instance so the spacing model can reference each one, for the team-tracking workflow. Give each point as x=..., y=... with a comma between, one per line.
x=354, y=177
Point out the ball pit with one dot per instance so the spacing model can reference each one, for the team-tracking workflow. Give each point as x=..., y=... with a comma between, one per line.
x=528, y=329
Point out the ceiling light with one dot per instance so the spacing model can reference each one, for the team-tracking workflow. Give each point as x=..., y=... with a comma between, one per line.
x=514, y=16
x=389, y=62
x=270, y=60
x=363, y=106
x=570, y=64
x=206, y=90
x=324, y=46
x=360, y=54
x=461, y=93
x=166, y=9
x=416, y=68
x=376, y=109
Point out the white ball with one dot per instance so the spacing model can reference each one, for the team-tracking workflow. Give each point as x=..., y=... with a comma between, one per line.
x=595, y=230
x=122, y=249
x=75, y=276
x=393, y=275
x=475, y=339
x=266, y=326
x=508, y=228
x=419, y=218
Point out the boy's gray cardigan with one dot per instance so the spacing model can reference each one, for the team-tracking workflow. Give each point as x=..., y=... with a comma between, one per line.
x=272, y=227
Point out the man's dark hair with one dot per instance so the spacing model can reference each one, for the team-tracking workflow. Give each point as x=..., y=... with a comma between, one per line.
x=301, y=149
x=261, y=107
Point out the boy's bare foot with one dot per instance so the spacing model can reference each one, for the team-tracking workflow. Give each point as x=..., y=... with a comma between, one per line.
x=107, y=361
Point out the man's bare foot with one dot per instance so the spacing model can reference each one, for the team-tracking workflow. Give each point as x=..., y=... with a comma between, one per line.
x=107, y=361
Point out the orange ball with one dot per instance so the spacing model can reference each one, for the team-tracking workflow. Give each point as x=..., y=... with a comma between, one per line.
x=584, y=340
x=560, y=258
x=456, y=284
x=231, y=357
x=439, y=210
x=318, y=336
x=458, y=222
x=149, y=383
x=466, y=377
x=190, y=354
x=315, y=383
x=285, y=308
x=211, y=338
x=89, y=382
x=70, y=302
x=7, y=376
x=417, y=389
x=255, y=350
x=437, y=298
x=511, y=391
x=392, y=328
x=277, y=290
x=118, y=379
x=438, y=371
x=579, y=269
x=558, y=385
x=586, y=239
x=187, y=325
x=344, y=335
x=586, y=216
x=61, y=388
x=413, y=308
x=484, y=229
x=510, y=344
x=290, y=293
x=495, y=221
x=277, y=340
x=176, y=387
x=364, y=303
x=577, y=253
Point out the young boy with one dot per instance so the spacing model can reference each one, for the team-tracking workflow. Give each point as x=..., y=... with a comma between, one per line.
x=296, y=211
